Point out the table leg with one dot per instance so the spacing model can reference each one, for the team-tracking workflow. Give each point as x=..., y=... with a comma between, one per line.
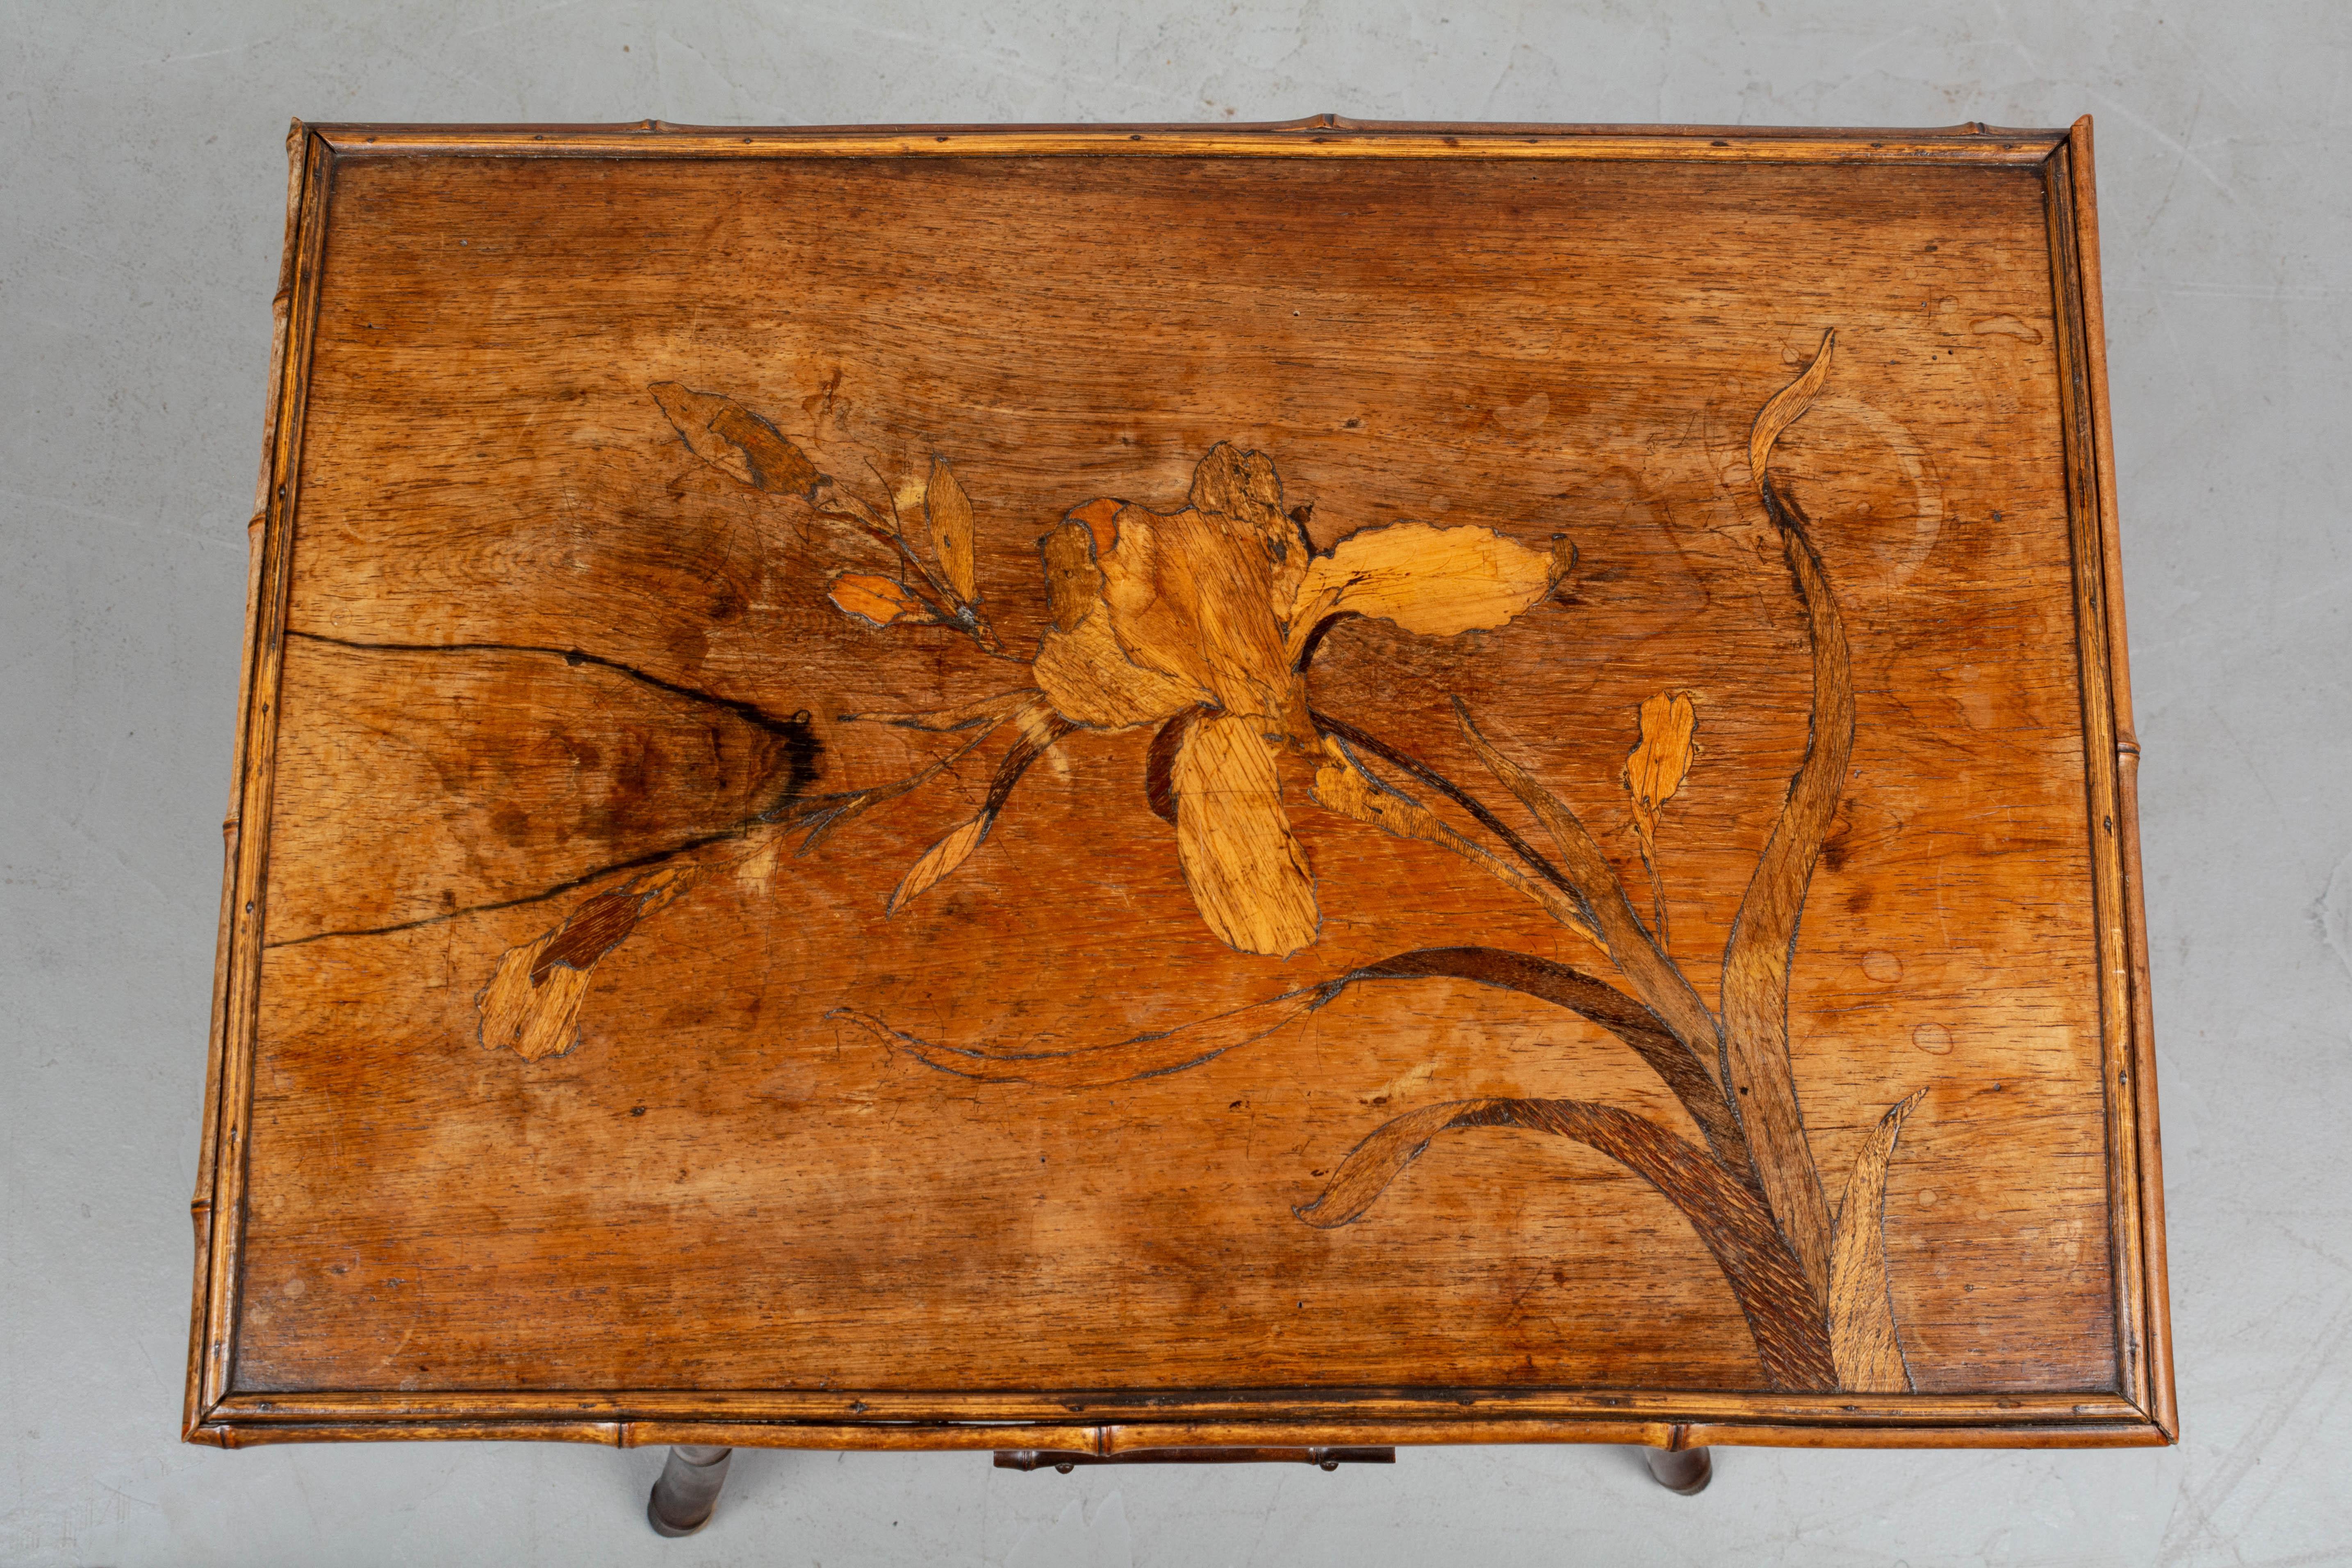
x=1685, y=1471
x=688, y=1489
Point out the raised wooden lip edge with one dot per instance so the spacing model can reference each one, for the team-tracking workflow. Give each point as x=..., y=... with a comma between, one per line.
x=2140, y=1412
x=1320, y=135
x=2134, y=1153
x=1127, y=1436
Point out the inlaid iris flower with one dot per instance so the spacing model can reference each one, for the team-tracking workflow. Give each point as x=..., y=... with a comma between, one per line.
x=1202, y=621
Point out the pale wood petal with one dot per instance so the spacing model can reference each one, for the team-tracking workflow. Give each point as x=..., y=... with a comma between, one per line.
x=1086, y=675
x=1655, y=770
x=880, y=601
x=1190, y=595
x=1244, y=488
x=1248, y=872
x=1436, y=582
x=948, y=511
x=1861, y=1314
x=1082, y=666
x=533, y=1020
x=1074, y=583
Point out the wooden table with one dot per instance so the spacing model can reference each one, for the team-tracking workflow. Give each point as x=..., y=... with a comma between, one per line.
x=1271, y=790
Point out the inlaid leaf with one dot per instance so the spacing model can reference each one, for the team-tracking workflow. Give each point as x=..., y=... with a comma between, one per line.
x=1038, y=730
x=1786, y=405
x=1431, y=581
x=1138, y=1055
x=948, y=511
x=1762, y=943
x=1861, y=1313
x=531, y=1004
x=730, y=437
x=938, y=860
x=1342, y=785
x=1661, y=985
x=1659, y=762
x=1371, y=1165
x=879, y=601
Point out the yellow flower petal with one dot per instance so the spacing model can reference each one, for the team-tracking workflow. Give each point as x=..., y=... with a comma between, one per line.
x=1248, y=872
x=1243, y=488
x=1081, y=666
x=1188, y=594
x=1434, y=582
x=1656, y=767
x=1089, y=679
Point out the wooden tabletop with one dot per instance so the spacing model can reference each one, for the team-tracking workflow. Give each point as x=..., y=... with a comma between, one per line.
x=1108, y=788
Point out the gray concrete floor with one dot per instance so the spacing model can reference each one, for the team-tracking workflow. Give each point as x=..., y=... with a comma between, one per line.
x=141, y=190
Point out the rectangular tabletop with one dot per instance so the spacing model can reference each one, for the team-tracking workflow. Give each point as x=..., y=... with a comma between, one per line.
x=1095, y=788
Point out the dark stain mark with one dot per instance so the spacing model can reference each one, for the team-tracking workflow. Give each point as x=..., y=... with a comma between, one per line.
x=1838, y=844
x=803, y=755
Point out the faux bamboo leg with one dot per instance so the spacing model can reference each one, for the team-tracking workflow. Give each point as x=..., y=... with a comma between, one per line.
x=1685, y=1471
x=688, y=1489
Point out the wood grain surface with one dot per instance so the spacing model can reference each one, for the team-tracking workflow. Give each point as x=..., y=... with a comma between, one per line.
x=1270, y=787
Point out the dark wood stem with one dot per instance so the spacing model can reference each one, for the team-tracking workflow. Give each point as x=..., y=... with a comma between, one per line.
x=1784, y=1315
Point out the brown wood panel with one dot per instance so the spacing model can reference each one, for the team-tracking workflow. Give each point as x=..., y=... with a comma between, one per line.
x=608, y=1019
